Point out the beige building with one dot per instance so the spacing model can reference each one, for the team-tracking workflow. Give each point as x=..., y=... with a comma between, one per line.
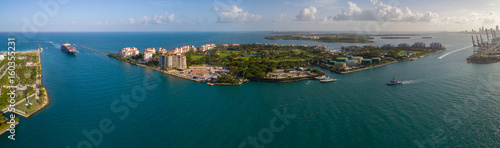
x=128, y=52
x=173, y=61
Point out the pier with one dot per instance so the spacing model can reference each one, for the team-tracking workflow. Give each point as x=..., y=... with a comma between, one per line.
x=92, y=49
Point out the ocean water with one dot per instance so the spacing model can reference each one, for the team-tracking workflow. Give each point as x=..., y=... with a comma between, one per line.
x=444, y=102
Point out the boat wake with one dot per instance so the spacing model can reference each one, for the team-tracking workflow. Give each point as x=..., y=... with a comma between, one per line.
x=446, y=54
x=410, y=82
x=56, y=45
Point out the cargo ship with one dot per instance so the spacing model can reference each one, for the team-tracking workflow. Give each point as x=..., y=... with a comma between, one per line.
x=67, y=48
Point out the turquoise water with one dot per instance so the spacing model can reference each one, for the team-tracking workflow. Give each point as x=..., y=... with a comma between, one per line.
x=445, y=103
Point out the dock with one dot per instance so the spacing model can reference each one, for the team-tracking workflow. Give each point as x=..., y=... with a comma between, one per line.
x=92, y=49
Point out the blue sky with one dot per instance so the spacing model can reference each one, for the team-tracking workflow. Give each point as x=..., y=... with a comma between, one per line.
x=247, y=15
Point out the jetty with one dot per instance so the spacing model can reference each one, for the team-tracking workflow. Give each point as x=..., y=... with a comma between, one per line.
x=92, y=49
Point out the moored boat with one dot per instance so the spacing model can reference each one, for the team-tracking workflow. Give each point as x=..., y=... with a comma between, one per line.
x=327, y=79
x=321, y=77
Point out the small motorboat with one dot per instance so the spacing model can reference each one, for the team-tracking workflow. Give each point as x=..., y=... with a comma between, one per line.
x=321, y=77
x=394, y=82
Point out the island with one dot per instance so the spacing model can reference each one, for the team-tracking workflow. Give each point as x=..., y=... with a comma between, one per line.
x=235, y=64
x=31, y=96
x=230, y=64
x=328, y=38
x=357, y=58
x=395, y=37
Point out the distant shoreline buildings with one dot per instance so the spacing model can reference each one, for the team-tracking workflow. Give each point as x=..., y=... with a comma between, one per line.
x=355, y=49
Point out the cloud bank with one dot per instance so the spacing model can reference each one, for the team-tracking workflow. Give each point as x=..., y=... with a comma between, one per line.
x=156, y=19
x=234, y=15
x=383, y=13
x=307, y=14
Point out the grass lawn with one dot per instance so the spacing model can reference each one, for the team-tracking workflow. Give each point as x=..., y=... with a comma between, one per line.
x=245, y=58
x=196, y=57
x=224, y=55
x=35, y=105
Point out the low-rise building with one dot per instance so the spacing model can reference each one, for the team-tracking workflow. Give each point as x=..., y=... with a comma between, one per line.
x=128, y=52
x=148, y=54
x=207, y=47
x=366, y=61
x=436, y=45
x=352, y=63
x=419, y=45
x=355, y=49
x=404, y=45
x=183, y=49
x=370, y=46
x=340, y=64
x=161, y=51
x=388, y=46
x=359, y=59
x=29, y=63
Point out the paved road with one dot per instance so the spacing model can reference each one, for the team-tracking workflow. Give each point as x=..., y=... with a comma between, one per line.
x=3, y=72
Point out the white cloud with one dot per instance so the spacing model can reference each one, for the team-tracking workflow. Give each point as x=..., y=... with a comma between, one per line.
x=234, y=15
x=374, y=1
x=384, y=13
x=490, y=18
x=280, y=18
x=156, y=19
x=307, y=14
x=476, y=18
x=215, y=9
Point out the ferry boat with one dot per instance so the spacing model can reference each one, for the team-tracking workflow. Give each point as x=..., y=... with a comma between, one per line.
x=67, y=48
x=394, y=82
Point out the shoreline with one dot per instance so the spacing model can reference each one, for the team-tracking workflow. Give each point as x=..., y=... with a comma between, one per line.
x=29, y=51
x=170, y=72
x=380, y=65
x=7, y=129
x=46, y=102
x=173, y=73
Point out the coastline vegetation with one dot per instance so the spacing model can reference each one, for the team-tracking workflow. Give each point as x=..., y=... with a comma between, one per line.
x=387, y=56
x=328, y=38
x=28, y=74
x=4, y=125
